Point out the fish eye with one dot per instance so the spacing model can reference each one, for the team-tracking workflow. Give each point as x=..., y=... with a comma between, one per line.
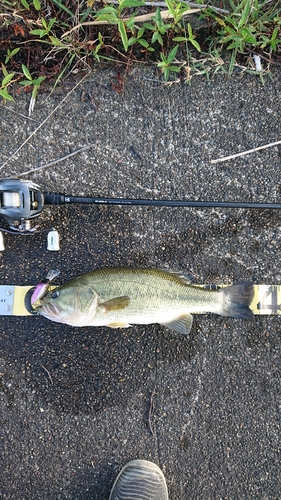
x=55, y=295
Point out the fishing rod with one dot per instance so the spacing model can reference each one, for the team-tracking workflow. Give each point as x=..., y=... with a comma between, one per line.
x=60, y=199
x=22, y=201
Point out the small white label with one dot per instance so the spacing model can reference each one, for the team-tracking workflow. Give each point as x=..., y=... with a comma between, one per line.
x=2, y=244
x=257, y=60
x=53, y=243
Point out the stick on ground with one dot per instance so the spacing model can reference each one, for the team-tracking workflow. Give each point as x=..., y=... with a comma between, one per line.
x=225, y=158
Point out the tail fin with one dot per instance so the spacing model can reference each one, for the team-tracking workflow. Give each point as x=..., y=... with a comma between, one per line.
x=236, y=301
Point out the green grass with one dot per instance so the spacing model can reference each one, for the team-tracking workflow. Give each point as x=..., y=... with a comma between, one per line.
x=45, y=40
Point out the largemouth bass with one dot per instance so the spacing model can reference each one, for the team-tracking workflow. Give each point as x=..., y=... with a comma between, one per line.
x=121, y=297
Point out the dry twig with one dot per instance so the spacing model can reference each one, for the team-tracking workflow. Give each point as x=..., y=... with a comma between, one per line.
x=165, y=14
x=151, y=407
x=225, y=158
x=48, y=373
x=84, y=148
x=163, y=4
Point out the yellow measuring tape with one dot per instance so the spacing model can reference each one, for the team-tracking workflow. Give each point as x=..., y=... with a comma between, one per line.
x=15, y=300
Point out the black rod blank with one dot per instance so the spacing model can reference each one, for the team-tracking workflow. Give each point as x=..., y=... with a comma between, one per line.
x=61, y=199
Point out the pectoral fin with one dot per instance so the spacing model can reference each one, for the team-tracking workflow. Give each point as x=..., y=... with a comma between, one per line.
x=116, y=304
x=181, y=325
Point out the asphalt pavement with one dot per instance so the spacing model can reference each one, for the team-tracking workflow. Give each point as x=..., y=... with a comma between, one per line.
x=77, y=404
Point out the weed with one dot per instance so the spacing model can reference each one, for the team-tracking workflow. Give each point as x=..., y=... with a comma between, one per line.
x=6, y=81
x=166, y=65
x=250, y=26
x=34, y=83
x=158, y=27
x=190, y=38
x=43, y=40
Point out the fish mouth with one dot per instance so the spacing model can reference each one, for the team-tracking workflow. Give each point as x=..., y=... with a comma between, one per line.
x=49, y=310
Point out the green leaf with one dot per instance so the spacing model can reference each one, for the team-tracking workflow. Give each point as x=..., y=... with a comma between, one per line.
x=189, y=29
x=176, y=69
x=132, y=41
x=25, y=4
x=95, y=54
x=130, y=3
x=166, y=72
x=110, y=18
x=7, y=79
x=230, y=21
x=5, y=95
x=38, y=80
x=156, y=37
x=123, y=33
x=63, y=7
x=158, y=17
x=51, y=23
x=56, y=41
x=274, y=43
x=26, y=72
x=39, y=32
x=25, y=82
x=245, y=14
x=250, y=39
x=180, y=39
x=234, y=45
x=275, y=33
x=36, y=4
x=106, y=10
x=131, y=23
x=170, y=6
x=4, y=70
x=171, y=56
x=232, y=62
x=195, y=44
x=162, y=64
x=14, y=52
x=145, y=44
x=149, y=26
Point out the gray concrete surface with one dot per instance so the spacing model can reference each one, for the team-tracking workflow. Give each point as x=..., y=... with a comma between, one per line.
x=214, y=425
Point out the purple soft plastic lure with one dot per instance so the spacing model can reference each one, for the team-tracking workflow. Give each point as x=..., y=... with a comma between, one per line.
x=42, y=288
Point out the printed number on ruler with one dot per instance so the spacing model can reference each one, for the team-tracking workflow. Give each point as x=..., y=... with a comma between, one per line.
x=267, y=299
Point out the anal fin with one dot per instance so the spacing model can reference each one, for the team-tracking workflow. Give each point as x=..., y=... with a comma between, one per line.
x=181, y=325
x=118, y=324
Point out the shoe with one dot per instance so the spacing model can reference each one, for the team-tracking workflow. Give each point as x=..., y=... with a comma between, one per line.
x=140, y=480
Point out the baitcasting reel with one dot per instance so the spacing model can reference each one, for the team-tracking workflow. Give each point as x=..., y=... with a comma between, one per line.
x=22, y=201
